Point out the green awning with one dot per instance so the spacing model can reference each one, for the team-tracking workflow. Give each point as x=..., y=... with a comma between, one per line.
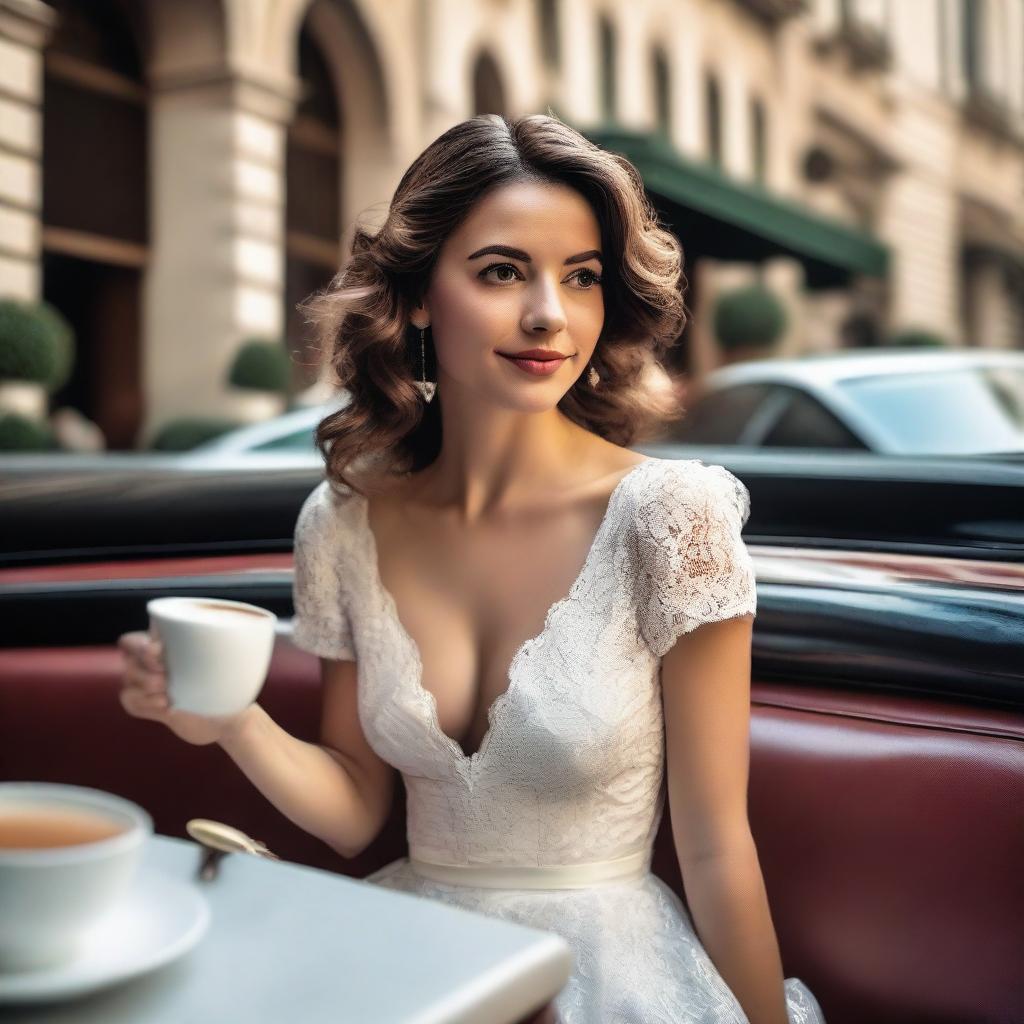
x=729, y=220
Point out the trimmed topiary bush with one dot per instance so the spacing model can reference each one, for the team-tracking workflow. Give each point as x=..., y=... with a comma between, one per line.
x=35, y=343
x=918, y=337
x=64, y=337
x=181, y=435
x=20, y=434
x=749, y=317
x=261, y=366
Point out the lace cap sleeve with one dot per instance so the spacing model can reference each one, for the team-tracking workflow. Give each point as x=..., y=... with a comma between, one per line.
x=694, y=566
x=321, y=623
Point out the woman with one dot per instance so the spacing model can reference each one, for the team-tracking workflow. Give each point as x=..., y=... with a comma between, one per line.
x=546, y=624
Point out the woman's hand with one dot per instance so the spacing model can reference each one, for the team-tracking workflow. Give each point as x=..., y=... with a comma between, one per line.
x=144, y=693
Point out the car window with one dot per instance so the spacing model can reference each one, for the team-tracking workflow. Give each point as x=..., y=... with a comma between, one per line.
x=720, y=416
x=949, y=412
x=298, y=440
x=806, y=423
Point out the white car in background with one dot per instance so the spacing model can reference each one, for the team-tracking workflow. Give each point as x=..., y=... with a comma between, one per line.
x=893, y=401
x=290, y=433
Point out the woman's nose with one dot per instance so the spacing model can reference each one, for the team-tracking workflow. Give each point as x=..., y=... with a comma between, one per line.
x=544, y=309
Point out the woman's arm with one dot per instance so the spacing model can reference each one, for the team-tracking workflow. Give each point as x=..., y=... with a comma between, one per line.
x=706, y=694
x=337, y=790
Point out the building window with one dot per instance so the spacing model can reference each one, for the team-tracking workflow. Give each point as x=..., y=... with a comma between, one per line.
x=608, y=69
x=758, y=141
x=488, y=94
x=314, y=179
x=972, y=35
x=713, y=119
x=662, y=92
x=547, y=13
x=95, y=170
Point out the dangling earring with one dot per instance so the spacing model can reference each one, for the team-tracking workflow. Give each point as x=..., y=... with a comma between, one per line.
x=427, y=388
x=593, y=377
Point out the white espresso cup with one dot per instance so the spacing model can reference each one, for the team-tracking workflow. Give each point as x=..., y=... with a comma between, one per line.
x=216, y=652
x=68, y=855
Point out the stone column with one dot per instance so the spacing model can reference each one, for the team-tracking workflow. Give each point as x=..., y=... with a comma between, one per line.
x=25, y=26
x=687, y=93
x=918, y=213
x=634, y=91
x=580, y=64
x=217, y=254
x=735, y=122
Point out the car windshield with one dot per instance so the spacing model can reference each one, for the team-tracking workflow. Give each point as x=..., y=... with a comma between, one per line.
x=964, y=411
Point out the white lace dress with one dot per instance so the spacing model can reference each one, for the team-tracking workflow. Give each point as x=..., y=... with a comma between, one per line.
x=551, y=822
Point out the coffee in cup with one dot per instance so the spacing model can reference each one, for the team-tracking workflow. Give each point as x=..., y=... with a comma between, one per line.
x=68, y=854
x=46, y=829
x=216, y=652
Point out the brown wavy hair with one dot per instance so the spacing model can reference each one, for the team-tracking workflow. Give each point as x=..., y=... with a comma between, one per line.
x=362, y=319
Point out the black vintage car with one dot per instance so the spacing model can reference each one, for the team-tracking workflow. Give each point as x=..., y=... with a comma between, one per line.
x=887, y=737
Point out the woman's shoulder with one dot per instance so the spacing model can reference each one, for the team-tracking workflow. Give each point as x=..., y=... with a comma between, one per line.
x=687, y=488
x=694, y=566
x=329, y=494
x=329, y=503
x=337, y=500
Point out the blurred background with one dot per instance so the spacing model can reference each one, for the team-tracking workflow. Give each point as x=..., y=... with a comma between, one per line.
x=846, y=178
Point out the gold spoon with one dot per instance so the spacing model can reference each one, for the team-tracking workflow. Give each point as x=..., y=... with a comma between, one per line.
x=218, y=840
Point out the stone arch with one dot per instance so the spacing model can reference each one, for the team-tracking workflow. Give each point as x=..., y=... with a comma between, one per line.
x=488, y=89
x=339, y=145
x=491, y=64
x=351, y=54
x=661, y=38
x=343, y=32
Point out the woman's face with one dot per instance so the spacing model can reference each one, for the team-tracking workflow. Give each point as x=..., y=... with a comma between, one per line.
x=522, y=271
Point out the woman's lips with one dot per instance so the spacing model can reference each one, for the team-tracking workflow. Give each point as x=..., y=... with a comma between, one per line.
x=538, y=367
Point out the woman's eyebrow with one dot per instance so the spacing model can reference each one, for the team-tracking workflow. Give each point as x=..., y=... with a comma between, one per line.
x=518, y=254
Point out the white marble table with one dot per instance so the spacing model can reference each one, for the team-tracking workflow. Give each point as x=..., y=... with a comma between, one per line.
x=290, y=943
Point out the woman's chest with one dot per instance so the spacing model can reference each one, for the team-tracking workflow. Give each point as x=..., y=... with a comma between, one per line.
x=470, y=600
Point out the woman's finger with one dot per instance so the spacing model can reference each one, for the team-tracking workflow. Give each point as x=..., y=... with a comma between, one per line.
x=142, y=649
x=132, y=641
x=153, y=656
x=141, y=705
x=134, y=645
x=147, y=683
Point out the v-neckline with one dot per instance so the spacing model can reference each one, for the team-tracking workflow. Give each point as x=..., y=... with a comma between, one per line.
x=462, y=759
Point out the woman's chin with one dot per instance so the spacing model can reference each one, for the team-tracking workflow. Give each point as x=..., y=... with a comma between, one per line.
x=530, y=400
x=530, y=396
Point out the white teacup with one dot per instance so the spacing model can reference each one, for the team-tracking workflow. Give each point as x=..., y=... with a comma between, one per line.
x=68, y=855
x=216, y=652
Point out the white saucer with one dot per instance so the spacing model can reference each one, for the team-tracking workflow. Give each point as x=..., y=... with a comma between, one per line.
x=158, y=920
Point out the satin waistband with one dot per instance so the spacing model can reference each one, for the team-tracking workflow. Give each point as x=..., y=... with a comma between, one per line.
x=529, y=876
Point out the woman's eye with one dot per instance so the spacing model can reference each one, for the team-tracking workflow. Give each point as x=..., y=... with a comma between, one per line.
x=499, y=267
x=590, y=275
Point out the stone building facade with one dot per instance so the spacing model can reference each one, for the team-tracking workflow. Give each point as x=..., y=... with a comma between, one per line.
x=176, y=176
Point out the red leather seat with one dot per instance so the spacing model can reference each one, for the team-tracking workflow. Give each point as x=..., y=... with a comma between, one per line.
x=890, y=829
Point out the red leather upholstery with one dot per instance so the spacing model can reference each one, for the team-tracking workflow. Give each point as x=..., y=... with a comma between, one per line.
x=890, y=829
x=891, y=836
x=61, y=721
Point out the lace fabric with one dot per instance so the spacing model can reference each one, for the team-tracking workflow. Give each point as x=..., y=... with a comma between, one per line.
x=571, y=768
